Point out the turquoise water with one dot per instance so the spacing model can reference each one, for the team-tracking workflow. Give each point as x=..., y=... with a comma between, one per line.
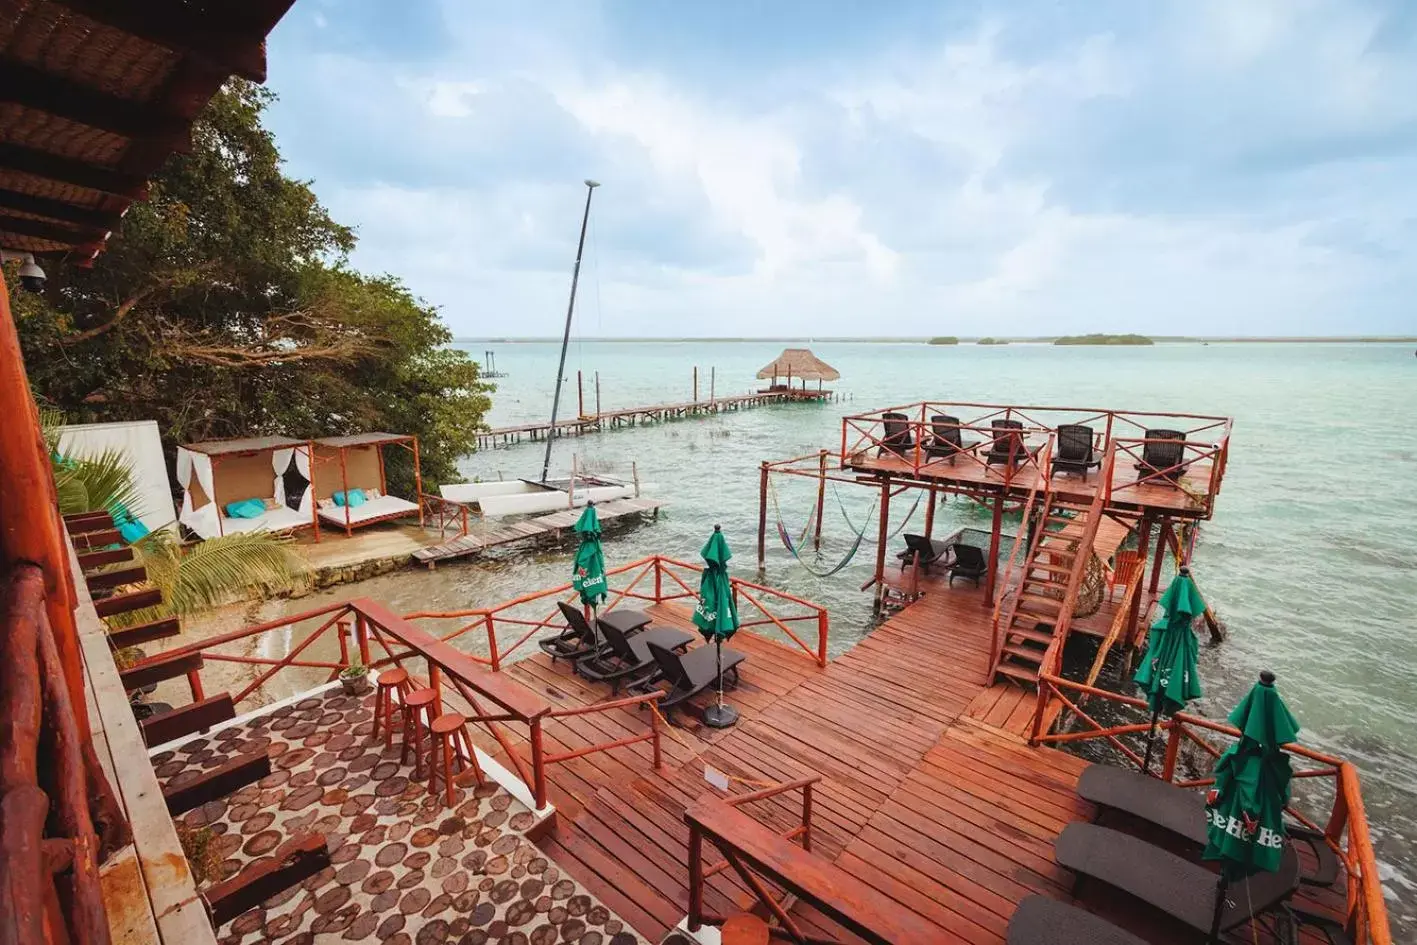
x=1311, y=558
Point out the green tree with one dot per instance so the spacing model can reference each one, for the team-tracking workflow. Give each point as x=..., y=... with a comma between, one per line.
x=225, y=306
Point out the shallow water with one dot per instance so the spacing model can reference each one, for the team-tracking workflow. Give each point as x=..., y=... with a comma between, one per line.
x=1311, y=558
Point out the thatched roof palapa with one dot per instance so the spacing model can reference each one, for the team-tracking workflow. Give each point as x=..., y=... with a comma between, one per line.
x=799, y=363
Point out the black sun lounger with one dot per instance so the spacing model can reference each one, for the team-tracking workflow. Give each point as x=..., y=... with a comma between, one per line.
x=969, y=563
x=1075, y=452
x=1039, y=920
x=926, y=550
x=1181, y=811
x=692, y=673
x=627, y=657
x=575, y=642
x=1174, y=885
x=946, y=442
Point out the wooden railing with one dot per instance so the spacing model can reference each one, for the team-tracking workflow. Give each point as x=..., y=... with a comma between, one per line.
x=655, y=580
x=1344, y=824
x=443, y=515
x=1043, y=487
x=760, y=856
x=59, y=818
x=1209, y=456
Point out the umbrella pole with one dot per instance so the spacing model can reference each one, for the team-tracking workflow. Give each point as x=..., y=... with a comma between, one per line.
x=719, y=715
x=1150, y=740
x=1221, y=886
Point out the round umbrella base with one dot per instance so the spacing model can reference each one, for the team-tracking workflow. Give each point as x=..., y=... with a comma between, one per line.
x=720, y=716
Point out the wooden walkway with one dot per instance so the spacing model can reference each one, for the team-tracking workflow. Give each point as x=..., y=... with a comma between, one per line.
x=930, y=792
x=640, y=416
x=543, y=526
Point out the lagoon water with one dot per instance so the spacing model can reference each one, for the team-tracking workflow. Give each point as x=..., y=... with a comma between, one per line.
x=1311, y=558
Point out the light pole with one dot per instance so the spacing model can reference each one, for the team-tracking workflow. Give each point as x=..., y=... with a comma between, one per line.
x=590, y=186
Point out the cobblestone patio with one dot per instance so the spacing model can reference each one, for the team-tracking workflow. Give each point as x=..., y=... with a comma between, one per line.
x=405, y=869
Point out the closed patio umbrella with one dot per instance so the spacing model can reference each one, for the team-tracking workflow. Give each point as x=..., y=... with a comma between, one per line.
x=1245, y=808
x=1168, y=673
x=716, y=616
x=588, y=573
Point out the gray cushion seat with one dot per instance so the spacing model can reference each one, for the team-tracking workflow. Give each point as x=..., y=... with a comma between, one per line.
x=1039, y=920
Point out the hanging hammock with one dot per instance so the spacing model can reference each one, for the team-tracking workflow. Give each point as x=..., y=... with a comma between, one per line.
x=898, y=529
x=792, y=547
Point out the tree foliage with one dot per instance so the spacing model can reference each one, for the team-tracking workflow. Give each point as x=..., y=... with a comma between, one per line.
x=225, y=306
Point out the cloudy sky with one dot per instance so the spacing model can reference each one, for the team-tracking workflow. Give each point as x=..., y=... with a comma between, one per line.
x=825, y=167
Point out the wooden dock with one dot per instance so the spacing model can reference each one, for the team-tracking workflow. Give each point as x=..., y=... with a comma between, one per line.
x=641, y=416
x=550, y=525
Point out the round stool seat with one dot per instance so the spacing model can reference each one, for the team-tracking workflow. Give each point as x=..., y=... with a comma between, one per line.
x=419, y=698
x=391, y=678
x=447, y=722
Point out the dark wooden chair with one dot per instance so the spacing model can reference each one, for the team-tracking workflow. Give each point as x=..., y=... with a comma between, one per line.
x=967, y=562
x=627, y=658
x=897, y=438
x=1183, y=890
x=575, y=642
x=1163, y=454
x=1007, y=448
x=692, y=673
x=924, y=550
x=946, y=441
x=1075, y=452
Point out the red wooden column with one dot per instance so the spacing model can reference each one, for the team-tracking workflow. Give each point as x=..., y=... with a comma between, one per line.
x=994, y=529
x=762, y=515
x=821, y=496
x=30, y=529
x=883, y=533
x=930, y=513
x=1143, y=547
x=1161, y=539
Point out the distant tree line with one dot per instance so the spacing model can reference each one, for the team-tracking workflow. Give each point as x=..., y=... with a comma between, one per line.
x=1101, y=339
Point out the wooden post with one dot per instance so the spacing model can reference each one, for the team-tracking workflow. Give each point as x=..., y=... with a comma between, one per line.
x=1143, y=542
x=990, y=582
x=762, y=515
x=417, y=480
x=580, y=395
x=696, y=383
x=571, y=487
x=1161, y=544
x=30, y=529
x=635, y=476
x=538, y=765
x=695, y=919
x=930, y=513
x=344, y=481
x=821, y=496
x=597, y=395
x=882, y=532
x=712, y=371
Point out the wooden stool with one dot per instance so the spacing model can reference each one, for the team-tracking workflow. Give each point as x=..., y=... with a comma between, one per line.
x=744, y=929
x=417, y=715
x=450, y=739
x=390, y=681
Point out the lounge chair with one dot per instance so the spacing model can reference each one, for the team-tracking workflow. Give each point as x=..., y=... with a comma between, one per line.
x=1174, y=885
x=692, y=673
x=1007, y=447
x=1181, y=812
x=897, y=439
x=1075, y=452
x=627, y=658
x=575, y=642
x=925, y=550
x=946, y=442
x=1039, y=920
x=967, y=562
x=1163, y=454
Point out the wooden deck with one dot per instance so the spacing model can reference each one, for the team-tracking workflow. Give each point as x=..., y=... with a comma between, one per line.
x=1187, y=500
x=543, y=526
x=930, y=793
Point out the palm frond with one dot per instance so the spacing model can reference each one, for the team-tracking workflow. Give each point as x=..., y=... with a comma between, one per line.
x=97, y=483
x=219, y=570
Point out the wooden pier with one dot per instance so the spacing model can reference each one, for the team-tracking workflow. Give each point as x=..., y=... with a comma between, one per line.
x=551, y=525
x=642, y=416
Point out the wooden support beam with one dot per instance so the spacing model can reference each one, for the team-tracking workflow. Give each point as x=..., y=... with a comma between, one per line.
x=97, y=559
x=995, y=527
x=145, y=633
x=22, y=84
x=229, y=38
x=90, y=540
x=158, y=668
x=104, y=580
x=294, y=861
x=70, y=171
x=41, y=230
x=190, y=718
x=224, y=779
x=58, y=210
x=123, y=603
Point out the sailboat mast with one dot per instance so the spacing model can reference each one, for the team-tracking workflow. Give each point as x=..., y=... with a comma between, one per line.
x=590, y=186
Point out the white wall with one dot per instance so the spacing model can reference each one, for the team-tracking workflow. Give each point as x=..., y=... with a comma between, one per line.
x=139, y=440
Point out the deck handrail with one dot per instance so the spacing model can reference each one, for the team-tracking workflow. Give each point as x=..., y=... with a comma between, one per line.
x=871, y=432
x=1366, y=917
x=56, y=835
x=439, y=513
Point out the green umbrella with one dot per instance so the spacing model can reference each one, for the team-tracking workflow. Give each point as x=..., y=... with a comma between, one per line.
x=1168, y=673
x=1245, y=809
x=588, y=578
x=716, y=616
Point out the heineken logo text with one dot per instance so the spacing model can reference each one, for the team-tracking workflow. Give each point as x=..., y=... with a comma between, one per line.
x=1246, y=829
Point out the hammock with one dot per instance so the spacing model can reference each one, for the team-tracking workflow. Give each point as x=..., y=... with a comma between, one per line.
x=898, y=529
x=791, y=546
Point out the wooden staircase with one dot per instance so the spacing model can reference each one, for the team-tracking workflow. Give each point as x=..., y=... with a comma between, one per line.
x=1032, y=615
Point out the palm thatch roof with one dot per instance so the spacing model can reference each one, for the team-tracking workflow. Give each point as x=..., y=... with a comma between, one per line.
x=799, y=363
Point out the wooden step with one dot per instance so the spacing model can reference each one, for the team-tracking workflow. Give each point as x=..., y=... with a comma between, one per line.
x=1043, y=605
x=1016, y=672
x=1025, y=653
x=1037, y=636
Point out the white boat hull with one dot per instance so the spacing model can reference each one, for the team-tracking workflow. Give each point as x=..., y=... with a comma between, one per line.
x=496, y=499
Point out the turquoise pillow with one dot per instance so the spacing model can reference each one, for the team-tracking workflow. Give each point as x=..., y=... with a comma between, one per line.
x=246, y=508
x=355, y=498
x=338, y=497
x=133, y=531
